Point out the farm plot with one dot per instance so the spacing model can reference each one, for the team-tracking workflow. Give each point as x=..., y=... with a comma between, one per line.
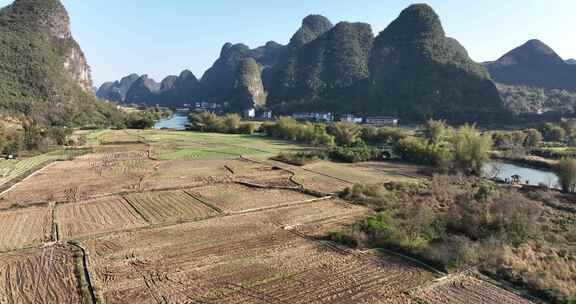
x=41, y=276
x=74, y=181
x=467, y=289
x=120, y=137
x=182, y=173
x=261, y=174
x=11, y=170
x=169, y=206
x=241, y=259
x=317, y=218
x=369, y=173
x=93, y=218
x=20, y=229
x=235, y=197
x=319, y=182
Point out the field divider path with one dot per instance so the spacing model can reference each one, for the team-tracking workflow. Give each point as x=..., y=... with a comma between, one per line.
x=86, y=272
x=55, y=231
x=283, y=205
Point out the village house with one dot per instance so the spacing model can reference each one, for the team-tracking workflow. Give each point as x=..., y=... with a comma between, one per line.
x=314, y=116
x=381, y=121
x=350, y=118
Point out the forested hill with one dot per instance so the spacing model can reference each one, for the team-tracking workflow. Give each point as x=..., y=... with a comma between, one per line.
x=44, y=74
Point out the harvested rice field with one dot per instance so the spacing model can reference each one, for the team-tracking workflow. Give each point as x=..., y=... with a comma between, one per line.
x=467, y=289
x=242, y=259
x=169, y=206
x=42, y=276
x=25, y=228
x=76, y=220
x=235, y=197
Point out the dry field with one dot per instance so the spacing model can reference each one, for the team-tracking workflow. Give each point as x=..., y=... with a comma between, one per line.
x=95, y=217
x=24, y=228
x=467, y=289
x=185, y=173
x=11, y=170
x=235, y=197
x=80, y=179
x=169, y=206
x=246, y=259
x=41, y=276
x=369, y=173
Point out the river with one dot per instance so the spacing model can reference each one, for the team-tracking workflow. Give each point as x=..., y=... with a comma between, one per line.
x=504, y=171
x=177, y=121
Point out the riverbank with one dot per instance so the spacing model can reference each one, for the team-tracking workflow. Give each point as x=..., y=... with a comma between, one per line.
x=530, y=161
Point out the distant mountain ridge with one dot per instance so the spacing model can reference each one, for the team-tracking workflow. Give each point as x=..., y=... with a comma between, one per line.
x=411, y=70
x=533, y=64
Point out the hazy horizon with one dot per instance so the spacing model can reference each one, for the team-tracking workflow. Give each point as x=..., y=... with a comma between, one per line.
x=164, y=38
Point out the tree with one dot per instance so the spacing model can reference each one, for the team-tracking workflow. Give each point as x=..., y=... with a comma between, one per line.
x=566, y=171
x=345, y=134
x=435, y=130
x=205, y=122
x=471, y=150
x=14, y=143
x=139, y=120
x=232, y=122
x=34, y=135
x=553, y=132
x=533, y=138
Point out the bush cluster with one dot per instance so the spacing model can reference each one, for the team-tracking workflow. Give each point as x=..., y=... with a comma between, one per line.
x=464, y=151
x=301, y=158
x=361, y=153
x=210, y=122
x=309, y=133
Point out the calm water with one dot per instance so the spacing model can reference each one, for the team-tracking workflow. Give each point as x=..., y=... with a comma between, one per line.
x=534, y=176
x=178, y=121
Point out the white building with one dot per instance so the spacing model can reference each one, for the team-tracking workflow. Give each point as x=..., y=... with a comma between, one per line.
x=382, y=121
x=266, y=115
x=250, y=113
x=325, y=117
x=349, y=118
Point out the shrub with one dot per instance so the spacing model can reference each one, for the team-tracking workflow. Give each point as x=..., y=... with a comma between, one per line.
x=471, y=150
x=533, y=138
x=382, y=136
x=248, y=128
x=231, y=123
x=289, y=129
x=435, y=131
x=300, y=158
x=345, y=134
x=566, y=171
x=416, y=150
x=356, y=154
x=342, y=238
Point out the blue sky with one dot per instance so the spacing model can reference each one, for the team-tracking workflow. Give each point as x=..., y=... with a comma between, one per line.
x=164, y=37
